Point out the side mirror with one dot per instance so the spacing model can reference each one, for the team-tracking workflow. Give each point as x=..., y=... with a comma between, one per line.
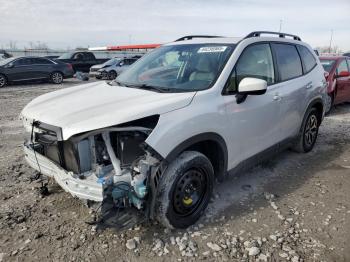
x=252, y=86
x=343, y=74
x=121, y=63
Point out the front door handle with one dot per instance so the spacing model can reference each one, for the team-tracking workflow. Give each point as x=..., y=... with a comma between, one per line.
x=308, y=86
x=276, y=97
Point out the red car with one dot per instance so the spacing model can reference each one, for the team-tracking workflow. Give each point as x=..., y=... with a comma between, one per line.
x=338, y=77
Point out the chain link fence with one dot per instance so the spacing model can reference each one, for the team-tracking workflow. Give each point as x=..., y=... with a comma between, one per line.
x=56, y=53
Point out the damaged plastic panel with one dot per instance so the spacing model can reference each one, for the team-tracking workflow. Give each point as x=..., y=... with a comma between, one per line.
x=120, y=160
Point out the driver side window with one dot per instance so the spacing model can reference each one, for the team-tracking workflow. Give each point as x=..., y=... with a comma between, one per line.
x=255, y=61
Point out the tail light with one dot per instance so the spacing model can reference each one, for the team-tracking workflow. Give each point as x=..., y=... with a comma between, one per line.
x=70, y=66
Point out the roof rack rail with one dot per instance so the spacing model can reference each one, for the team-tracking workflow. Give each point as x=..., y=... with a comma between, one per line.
x=189, y=37
x=282, y=35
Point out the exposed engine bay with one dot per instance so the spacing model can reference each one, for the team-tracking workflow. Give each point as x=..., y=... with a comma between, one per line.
x=123, y=164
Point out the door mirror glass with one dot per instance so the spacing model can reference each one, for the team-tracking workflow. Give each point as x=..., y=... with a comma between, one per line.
x=343, y=74
x=252, y=86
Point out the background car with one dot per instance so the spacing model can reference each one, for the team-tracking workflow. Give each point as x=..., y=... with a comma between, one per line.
x=338, y=77
x=33, y=68
x=80, y=60
x=112, y=68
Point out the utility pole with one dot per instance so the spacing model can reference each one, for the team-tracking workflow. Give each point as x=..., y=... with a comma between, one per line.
x=330, y=41
x=280, y=26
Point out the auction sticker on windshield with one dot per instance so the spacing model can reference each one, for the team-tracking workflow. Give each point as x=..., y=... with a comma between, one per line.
x=212, y=49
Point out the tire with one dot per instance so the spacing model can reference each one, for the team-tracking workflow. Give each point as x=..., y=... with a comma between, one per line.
x=104, y=75
x=184, y=190
x=56, y=78
x=3, y=81
x=308, y=133
x=329, y=103
x=112, y=75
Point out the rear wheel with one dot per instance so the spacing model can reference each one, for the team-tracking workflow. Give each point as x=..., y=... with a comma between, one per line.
x=57, y=77
x=184, y=190
x=112, y=75
x=329, y=103
x=3, y=81
x=308, y=133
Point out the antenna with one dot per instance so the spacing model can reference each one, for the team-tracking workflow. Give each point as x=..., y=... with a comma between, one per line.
x=330, y=41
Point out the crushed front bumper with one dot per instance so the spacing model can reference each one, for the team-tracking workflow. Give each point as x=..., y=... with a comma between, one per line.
x=87, y=188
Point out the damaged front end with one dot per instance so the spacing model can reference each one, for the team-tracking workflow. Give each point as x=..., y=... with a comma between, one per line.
x=111, y=165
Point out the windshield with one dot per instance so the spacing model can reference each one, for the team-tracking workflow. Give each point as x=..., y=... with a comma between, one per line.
x=66, y=56
x=5, y=61
x=178, y=68
x=111, y=62
x=327, y=64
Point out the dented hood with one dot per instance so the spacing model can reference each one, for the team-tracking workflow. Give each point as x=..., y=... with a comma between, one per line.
x=98, y=105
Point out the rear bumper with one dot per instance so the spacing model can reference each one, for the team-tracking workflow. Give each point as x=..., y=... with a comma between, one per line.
x=87, y=188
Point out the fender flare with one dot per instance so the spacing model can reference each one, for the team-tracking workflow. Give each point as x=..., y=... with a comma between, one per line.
x=313, y=102
x=209, y=136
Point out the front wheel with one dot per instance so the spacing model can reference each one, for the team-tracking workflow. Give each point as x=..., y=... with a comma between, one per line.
x=112, y=75
x=3, y=81
x=184, y=190
x=308, y=133
x=57, y=77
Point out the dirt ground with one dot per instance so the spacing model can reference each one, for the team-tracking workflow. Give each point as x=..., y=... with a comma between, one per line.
x=295, y=207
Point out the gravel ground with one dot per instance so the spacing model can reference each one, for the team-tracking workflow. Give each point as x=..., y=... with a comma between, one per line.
x=295, y=207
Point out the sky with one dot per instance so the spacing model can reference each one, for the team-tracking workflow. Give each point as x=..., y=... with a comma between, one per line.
x=71, y=23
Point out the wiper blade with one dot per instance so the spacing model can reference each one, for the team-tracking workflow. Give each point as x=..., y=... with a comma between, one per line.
x=151, y=88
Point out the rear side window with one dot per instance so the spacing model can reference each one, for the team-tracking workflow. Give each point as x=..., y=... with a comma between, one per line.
x=255, y=61
x=41, y=61
x=288, y=61
x=89, y=56
x=309, y=60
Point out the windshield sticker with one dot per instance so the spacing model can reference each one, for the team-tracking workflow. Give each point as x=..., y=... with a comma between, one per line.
x=212, y=49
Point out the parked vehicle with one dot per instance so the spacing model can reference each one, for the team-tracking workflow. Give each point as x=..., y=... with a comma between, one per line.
x=81, y=60
x=28, y=68
x=4, y=55
x=112, y=68
x=338, y=77
x=152, y=142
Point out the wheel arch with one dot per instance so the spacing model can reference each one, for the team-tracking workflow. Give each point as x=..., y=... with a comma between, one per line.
x=318, y=104
x=6, y=77
x=212, y=145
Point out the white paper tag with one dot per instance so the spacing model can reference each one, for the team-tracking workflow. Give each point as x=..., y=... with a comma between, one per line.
x=212, y=49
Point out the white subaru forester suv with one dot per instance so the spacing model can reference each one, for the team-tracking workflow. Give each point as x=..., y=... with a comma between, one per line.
x=150, y=144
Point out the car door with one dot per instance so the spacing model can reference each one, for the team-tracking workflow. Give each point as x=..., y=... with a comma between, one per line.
x=20, y=69
x=254, y=123
x=41, y=67
x=292, y=88
x=343, y=82
x=78, y=62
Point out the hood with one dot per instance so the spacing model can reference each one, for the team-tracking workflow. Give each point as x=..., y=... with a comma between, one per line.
x=98, y=105
x=98, y=66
